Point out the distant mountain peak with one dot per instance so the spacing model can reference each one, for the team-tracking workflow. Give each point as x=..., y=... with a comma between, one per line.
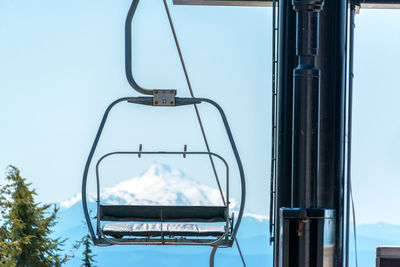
x=158, y=185
x=159, y=169
x=161, y=185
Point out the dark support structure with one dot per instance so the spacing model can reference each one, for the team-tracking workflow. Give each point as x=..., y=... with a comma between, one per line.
x=307, y=236
x=332, y=63
x=306, y=228
x=287, y=62
x=316, y=181
x=306, y=78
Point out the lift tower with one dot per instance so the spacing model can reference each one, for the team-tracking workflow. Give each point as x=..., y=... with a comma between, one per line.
x=309, y=192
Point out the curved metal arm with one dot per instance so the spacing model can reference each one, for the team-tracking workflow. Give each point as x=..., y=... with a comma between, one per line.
x=212, y=256
x=186, y=101
x=128, y=50
x=86, y=171
x=238, y=161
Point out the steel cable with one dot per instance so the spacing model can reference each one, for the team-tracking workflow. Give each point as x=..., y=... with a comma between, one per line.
x=192, y=95
x=349, y=197
x=199, y=120
x=350, y=120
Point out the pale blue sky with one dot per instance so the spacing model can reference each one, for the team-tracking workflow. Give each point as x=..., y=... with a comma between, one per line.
x=62, y=63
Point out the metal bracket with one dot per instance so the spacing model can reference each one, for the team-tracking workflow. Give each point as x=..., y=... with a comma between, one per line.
x=140, y=150
x=164, y=97
x=184, y=151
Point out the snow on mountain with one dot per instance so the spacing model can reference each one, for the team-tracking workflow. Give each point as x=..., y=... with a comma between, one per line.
x=159, y=185
x=75, y=199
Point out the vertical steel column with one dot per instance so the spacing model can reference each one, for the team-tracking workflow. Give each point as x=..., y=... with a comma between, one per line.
x=307, y=231
x=317, y=183
x=332, y=63
x=306, y=105
x=287, y=62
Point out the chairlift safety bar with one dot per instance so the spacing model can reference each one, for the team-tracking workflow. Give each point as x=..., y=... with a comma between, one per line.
x=115, y=241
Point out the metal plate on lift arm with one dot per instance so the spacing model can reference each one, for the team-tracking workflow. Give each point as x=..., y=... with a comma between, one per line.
x=164, y=97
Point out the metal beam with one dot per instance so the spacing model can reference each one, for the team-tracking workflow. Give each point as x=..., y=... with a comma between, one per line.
x=260, y=3
x=379, y=4
x=373, y=4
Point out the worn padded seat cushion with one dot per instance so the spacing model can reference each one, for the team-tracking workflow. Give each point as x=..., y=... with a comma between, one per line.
x=163, y=213
x=119, y=230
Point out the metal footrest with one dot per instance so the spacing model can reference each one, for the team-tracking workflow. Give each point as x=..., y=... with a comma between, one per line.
x=119, y=230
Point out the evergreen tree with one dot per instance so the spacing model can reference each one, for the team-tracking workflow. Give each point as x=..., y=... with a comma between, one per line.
x=88, y=256
x=26, y=227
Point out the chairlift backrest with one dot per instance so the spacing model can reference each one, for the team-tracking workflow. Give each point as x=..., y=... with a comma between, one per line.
x=142, y=213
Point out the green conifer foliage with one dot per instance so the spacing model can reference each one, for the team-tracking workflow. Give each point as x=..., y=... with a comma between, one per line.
x=88, y=256
x=25, y=226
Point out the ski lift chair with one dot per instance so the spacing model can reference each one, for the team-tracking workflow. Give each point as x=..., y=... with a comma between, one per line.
x=163, y=225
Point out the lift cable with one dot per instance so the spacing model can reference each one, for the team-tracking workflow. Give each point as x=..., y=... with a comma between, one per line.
x=345, y=172
x=200, y=123
x=354, y=225
x=353, y=11
x=349, y=196
x=192, y=95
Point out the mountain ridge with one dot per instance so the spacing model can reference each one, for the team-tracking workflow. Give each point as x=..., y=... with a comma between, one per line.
x=158, y=185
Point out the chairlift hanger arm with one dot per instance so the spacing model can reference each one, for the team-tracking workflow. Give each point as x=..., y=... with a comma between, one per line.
x=128, y=50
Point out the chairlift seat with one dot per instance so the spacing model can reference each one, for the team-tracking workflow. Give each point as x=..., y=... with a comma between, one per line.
x=154, y=216
x=119, y=230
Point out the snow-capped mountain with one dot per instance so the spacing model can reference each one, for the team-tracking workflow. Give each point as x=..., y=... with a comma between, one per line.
x=162, y=185
x=159, y=185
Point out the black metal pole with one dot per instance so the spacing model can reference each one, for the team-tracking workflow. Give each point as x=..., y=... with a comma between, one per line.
x=306, y=105
x=318, y=114
x=332, y=63
x=303, y=223
x=287, y=62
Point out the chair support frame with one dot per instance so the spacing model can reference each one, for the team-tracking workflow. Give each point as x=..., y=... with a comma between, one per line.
x=99, y=240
